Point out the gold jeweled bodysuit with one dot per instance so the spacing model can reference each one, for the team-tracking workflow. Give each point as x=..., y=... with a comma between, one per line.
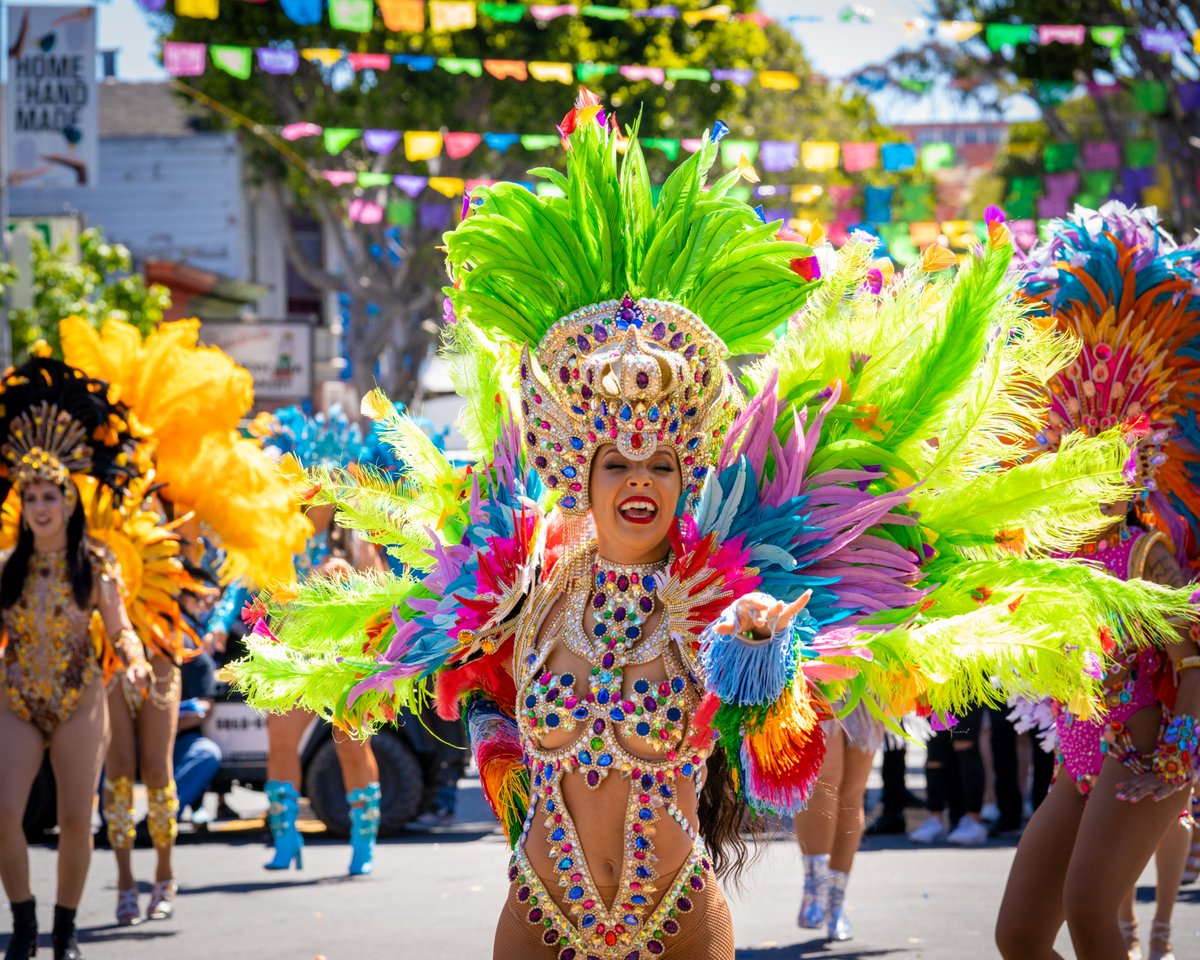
x=606, y=709
x=50, y=651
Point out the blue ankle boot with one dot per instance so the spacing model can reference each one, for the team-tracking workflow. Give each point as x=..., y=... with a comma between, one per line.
x=281, y=818
x=364, y=827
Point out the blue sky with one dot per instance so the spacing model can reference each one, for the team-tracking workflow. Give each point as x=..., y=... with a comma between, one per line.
x=835, y=48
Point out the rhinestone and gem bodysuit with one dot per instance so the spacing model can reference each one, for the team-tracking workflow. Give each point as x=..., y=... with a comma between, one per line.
x=607, y=709
x=1081, y=742
x=50, y=652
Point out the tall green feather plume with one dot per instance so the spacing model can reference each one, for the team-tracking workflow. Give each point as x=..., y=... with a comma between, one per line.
x=522, y=262
x=482, y=377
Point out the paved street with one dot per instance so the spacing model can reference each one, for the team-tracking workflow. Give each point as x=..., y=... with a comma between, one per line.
x=436, y=897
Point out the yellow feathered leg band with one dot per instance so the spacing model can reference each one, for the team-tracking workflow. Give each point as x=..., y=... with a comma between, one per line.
x=162, y=817
x=119, y=813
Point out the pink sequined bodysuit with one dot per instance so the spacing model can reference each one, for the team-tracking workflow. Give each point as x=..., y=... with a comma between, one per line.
x=1080, y=741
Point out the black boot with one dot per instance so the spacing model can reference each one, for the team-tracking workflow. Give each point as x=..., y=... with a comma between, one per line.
x=63, y=935
x=23, y=944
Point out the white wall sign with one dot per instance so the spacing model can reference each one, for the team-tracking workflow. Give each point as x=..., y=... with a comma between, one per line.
x=278, y=356
x=52, y=112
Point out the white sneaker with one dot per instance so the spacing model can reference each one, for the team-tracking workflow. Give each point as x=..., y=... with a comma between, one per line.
x=969, y=833
x=990, y=813
x=931, y=831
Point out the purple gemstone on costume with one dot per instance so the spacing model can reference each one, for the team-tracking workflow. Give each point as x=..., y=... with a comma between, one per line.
x=599, y=602
x=684, y=904
x=598, y=727
x=622, y=583
x=654, y=946
x=690, y=351
x=609, y=660
x=552, y=694
x=647, y=604
x=593, y=778
x=564, y=374
x=601, y=334
x=650, y=704
x=523, y=894
x=676, y=341
x=512, y=872
x=535, y=915
x=552, y=480
x=643, y=379
x=696, y=882
x=618, y=615
x=567, y=953
x=659, y=331
x=550, y=937
x=540, y=462
x=671, y=927
x=632, y=956
x=584, y=344
x=586, y=392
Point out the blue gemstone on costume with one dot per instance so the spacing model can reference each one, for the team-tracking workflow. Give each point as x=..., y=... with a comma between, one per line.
x=699, y=472
x=638, y=899
x=626, y=413
x=599, y=423
x=693, y=443
x=602, y=697
x=575, y=893
x=576, y=443
x=604, y=760
x=568, y=502
x=630, y=920
x=558, y=835
x=632, y=633
x=531, y=701
x=642, y=843
x=643, y=873
x=641, y=686
x=569, y=472
x=653, y=415
x=580, y=713
x=605, y=676
x=567, y=679
x=577, y=410
x=646, y=813
x=647, y=781
x=677, y=684
x=674, y=714
x=550, y=805
x=617, y=714
x=600, y=629
x=552, y=720
x=589, y=920
x=643, y=729
x=585, y=757
x=566, y=863
x=686, y=769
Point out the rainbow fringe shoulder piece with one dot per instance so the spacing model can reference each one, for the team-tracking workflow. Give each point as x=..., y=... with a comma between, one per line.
x=1118, y=282
x=190, y=399
x=870, y=453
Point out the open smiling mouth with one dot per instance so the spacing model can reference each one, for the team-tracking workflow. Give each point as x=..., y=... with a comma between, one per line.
x=638, y=509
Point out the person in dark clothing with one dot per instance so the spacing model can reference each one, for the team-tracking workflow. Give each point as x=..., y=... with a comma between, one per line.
x=196, y=757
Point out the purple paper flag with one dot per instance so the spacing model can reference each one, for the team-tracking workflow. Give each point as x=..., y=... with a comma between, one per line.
x=1189, y=96
x=1165, y=41
x=1136, y=180
x=1060, y=186
x=776, y=155
x=152, y=6
x=741, y=77
x=410, y=184
x=659, y=13
x=777, y=213
x=434, y=216
x=1051, y=207
x=381, y=141
x=277, y=60
x=1101, y=155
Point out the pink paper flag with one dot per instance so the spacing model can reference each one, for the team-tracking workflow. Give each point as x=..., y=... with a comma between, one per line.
x=654, y=74
x=298, y=131
x=184, y=59
x=365, y=211
x=370, y=61
x=541, y=11
x=340, y=178
x=1061, y=33
x=692, y=145
x=859, y=156
x=460, y=144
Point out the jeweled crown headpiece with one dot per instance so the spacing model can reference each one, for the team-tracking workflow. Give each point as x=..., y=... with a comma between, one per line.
x=56, y=421
x=1118, y=282
x=627, y=304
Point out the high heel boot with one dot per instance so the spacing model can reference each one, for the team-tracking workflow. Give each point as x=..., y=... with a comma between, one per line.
x=63, y=935
x=23, y=943
x=281, y=819
x=837, y=923
x=816, y=879
x=364, y=827
x=1160, y=941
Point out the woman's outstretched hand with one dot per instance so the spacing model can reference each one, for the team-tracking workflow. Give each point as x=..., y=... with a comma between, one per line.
x=1146, y=786
x=757, y=617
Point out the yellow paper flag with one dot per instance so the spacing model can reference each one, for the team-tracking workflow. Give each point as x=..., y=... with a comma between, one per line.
x=322, y=55
x=199, y=9
x=779, y=80
x=448, y=186
x=819, y=155
x=422, y=144
x=719, y=12
x=548, y=71
x=451, y=15
x=958, y=30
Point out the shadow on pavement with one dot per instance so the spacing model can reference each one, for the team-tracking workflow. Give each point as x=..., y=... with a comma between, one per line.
x=812, y=948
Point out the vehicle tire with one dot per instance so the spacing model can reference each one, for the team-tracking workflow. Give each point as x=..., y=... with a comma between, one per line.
x=400, y=782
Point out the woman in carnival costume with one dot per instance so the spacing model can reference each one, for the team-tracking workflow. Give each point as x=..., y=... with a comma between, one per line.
x=324, y=442
x=1112, y=279
x=65, y=626
x=598, y=591
x=188, y=401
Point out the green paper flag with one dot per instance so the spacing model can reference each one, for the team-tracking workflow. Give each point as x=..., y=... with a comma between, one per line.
x=731, y=150
x=899, y=242
x=374, y=179
x=504, y=12
x=913, y=85
x=468, y=65
x=356, y=15
x=1111, y=37
x=1058, y=157
x=1141, y=153
x=688, y=73
x=401, y=213
x=338, y=139
x=606, y=13
x=916, y=202
x=236, y=61
x=590, y=71
x=540, y=141
x=937, y=156
x=1150, y=96
x=1024, y=187
x=1051, y=93
x=666, y=145
x=1099, y=182
x=1021, y=207
x=1000, y=35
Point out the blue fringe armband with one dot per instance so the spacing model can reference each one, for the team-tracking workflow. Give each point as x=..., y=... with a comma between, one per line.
x=748, y=673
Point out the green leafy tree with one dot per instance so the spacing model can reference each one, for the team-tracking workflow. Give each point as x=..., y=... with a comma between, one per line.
x=95, y=282
x=392, y=282
x=988, y=74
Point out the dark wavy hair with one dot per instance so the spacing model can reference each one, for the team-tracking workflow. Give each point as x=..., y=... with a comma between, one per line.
x=79, y=562
x=729, y=829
